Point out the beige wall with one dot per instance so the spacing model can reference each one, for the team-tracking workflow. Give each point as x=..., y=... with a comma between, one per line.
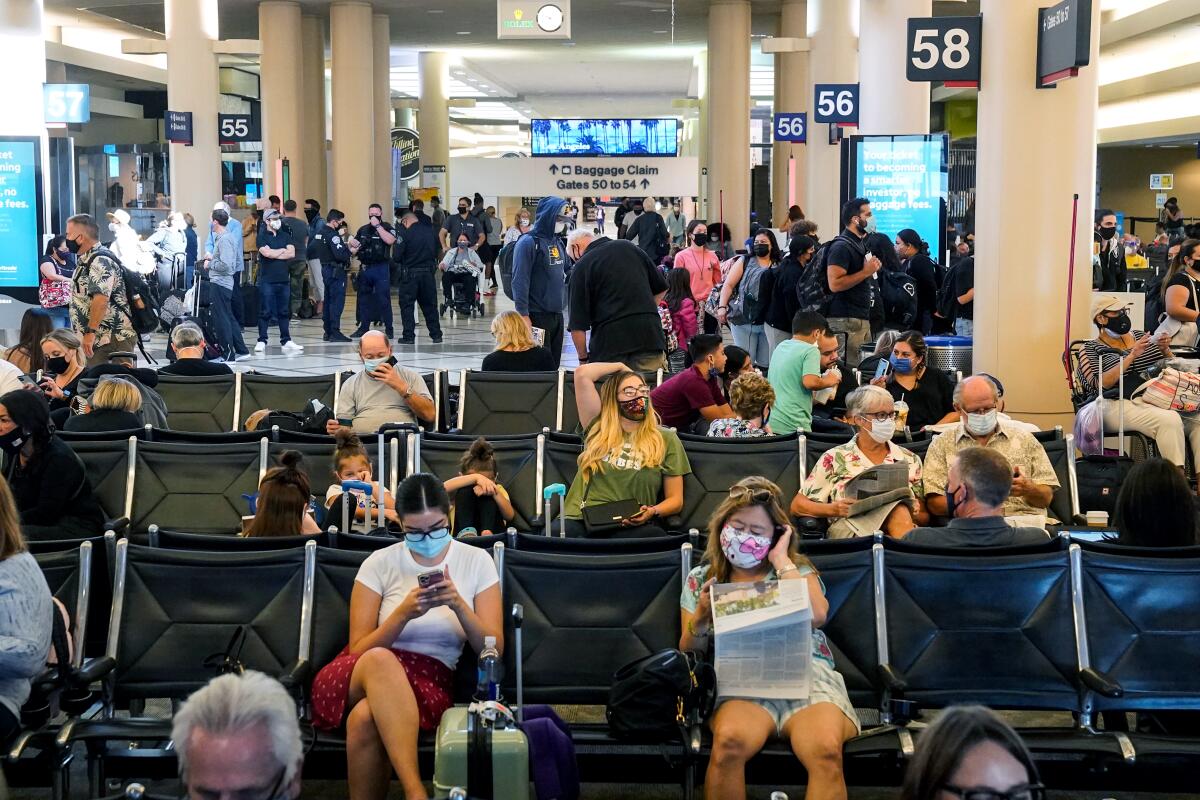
x=1125, y=179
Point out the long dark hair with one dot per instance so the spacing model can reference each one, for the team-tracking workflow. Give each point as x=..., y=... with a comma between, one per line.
x=35, y=324
x=1186, y=248
x=283, y=495
x=679, y=288
x=30, y=411
x=419, y=493
x=691, y=226
x=735, y=359
x=916, y=341
x=946, y=743
x=774, y=254
x=53, y=245
x=1155, y=507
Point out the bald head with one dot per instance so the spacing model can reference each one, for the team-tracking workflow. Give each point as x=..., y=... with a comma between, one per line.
x=374, y=344
x=976, y=393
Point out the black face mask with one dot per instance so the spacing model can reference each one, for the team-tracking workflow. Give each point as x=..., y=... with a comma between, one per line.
x=73, y=246
x=462, y=209
x=1119, y=325
x=12, y=441
x=58, y=365
x=762, y=250
x=952, y=503
x=633, y=410
x=1107, y=233
x=700, y=239
x=310, y=214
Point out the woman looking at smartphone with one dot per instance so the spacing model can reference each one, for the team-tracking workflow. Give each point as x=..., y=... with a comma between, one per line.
x=414, y=606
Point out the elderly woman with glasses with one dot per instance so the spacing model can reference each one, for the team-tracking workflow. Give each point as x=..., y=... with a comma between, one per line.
x=414, y=606
x=871, y=410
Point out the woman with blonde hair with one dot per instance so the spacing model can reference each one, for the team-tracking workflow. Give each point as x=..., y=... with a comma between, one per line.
x=521, y=225
x=25, y=615
x=62, y=350
x=515, y=350
x=113, y=406
x=750, y=539
x=630, y=468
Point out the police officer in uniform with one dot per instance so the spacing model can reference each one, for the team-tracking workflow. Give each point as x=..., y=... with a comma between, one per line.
x=372, y=244
x=328, y=247
x=415, y=254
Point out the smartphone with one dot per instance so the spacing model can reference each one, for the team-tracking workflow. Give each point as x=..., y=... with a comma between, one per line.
x=345, y=422
x=431, y=578
x=881, y=369
x=38, y=379
x=391, y=361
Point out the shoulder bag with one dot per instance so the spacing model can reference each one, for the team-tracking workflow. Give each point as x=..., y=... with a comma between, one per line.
x=605, y=517
x=658, y=696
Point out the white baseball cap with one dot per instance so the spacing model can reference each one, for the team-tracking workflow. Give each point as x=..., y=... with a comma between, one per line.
x=120, y=215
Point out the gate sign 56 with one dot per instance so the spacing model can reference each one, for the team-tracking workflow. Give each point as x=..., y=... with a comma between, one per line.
x=837, y=103
x=945, y=49
x=791, y=127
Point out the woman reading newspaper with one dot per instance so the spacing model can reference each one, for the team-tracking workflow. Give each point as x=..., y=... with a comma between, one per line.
x=750, y=540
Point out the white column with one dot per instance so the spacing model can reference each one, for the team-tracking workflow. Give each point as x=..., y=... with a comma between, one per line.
x=833, y=58
x=280, y=78
x=353, y=104
x=729, y=115
x=312, y=134
x=891, y=104
x=791, y=95
x=703, y=211
x=192, y=85
x=433, y=113
x=1025, y=174
x=382, y=43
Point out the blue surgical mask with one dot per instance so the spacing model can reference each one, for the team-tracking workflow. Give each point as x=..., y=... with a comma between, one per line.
x=901, y=365
x=371, y=364
x=430, y=545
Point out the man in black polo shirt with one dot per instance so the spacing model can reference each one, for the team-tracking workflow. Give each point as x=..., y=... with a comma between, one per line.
x=463, y=222
x=277, y=251
x=849, y=268
x=372, y=244
x=615, y=289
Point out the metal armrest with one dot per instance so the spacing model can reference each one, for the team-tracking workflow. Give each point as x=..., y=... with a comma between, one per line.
x=892, y=678
x=92, y=671
x=1100, y=683
x=296, y=675
x=118, y=525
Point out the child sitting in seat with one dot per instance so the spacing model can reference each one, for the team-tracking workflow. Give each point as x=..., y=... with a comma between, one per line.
x=461, y=266
x=282, y=505
x=351, y=463
x=479, y=504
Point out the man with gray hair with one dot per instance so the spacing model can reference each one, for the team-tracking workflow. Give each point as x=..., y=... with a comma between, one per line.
x=978, y=484
x=187, y=339
x=977, y=400
x=233, y=228
x=614, y=293
x=99, y=308
x=239, y=737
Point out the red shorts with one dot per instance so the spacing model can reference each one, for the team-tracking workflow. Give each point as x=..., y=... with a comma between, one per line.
x=431, y=680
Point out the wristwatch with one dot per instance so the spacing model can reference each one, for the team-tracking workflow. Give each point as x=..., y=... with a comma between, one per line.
x=86, y=330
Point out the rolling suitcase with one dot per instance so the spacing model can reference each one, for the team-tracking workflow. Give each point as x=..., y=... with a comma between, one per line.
x=488, y=757
x=1100, y=477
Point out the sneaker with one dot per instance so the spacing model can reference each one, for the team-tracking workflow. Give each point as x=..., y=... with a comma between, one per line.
x=359, y=331
x=339, y=337
x=407, y=340
x=261, y=347
x=243, y=357
x=291, y=348
x=436, y=340
x=325, y=337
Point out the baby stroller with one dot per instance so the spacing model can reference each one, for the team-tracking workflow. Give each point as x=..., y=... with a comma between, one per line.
x=460, y=292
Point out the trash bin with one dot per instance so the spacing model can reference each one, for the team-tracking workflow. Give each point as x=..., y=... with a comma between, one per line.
x=950, y=353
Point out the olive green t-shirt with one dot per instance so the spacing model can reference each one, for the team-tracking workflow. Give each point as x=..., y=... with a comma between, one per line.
x=626, y=478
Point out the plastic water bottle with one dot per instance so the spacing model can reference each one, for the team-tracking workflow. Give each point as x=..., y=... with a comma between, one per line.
x=487, y=687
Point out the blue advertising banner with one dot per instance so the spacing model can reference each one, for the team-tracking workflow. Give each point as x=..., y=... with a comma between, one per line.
x=906, y=178
x=21, y=218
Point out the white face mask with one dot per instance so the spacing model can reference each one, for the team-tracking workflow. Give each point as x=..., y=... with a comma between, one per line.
x=981, y=424
x=114, y=227
x=274, y=224
x=882, y=430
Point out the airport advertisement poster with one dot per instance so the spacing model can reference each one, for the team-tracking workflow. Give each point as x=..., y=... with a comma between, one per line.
x=906, y=178
x=20, y=212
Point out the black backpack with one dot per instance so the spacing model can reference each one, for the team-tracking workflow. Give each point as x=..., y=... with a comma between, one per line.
x=504, y=261
x=947, y=300
x=899, y=293
x=658, y=696
x=143, y=307
x=812, y=290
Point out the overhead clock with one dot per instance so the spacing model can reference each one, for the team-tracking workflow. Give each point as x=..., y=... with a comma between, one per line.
x=549, y=18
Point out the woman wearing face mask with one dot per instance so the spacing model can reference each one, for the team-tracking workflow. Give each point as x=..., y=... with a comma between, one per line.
x=521, y=225
x=704, y=270
x=55, y=268
x=26, y=354
x=743, y=306
x=737, y=362
x=51, y=487
x=461, y=266
x=750, y=540
x=1181, y=293
x=927, y=394
x=1137, y=353
x=415, y=604
x=779, y=289
x=872, y=411
x=64, y=359
x=915, y=260
x=166, y=243
x=751, y=398
x=626, y=455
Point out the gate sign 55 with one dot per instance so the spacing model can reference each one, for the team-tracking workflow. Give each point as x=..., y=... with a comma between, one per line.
x=233, y=128
x=791, y=127
x=837, y=103
x=945, y=49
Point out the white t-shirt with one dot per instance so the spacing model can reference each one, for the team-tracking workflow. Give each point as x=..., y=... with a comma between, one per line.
x=392, y=574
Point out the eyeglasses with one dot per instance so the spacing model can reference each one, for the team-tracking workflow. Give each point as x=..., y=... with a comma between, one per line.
x=633, y=394
x=436, y=533
x=238, y=794
x=881, y=416
x=755, y=494
x=1028, y=791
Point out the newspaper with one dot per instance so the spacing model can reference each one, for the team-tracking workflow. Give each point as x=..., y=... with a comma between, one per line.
x=763, y=636
x=879, y=485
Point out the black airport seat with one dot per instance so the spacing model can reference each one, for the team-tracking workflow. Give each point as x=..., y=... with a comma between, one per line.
x=1064, y=505
x=283, y=393
x=110, y=468
x=506, y=402
x=560, y=460
x=201, y=404
x=192, y=437
x=516, y=461
x=181, y=540
x=719, y=463
x=71, y=437
x=193, y=487
x=538, y=543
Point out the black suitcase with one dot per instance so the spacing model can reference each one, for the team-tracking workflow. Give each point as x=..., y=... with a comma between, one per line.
x=249, y=305
x=1099, y=477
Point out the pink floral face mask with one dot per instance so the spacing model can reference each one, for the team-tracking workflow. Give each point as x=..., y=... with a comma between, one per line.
x=744, y=550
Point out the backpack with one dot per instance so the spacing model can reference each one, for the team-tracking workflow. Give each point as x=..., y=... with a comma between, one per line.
x=899, y=293
x=947, y=300
x=143, y=307
x=812, y=290
x=746, y=306
x=504, y=261
x=1156, y=307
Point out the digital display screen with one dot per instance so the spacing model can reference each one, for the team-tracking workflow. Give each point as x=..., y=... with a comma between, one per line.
x=20, y=213
x=906, y=178
x=604, y=137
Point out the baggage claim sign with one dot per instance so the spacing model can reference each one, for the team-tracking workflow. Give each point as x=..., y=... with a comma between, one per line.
x=576, y=177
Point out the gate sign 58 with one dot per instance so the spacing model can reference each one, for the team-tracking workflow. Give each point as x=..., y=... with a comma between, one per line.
x=791, y=127
x=945, y=49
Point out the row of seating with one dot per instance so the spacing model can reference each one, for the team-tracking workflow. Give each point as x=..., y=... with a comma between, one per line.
x=1079, y=629
x=164, y=484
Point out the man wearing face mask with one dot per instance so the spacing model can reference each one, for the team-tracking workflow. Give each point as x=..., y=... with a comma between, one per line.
x=539, y=273
x=382, y=391
x=1109, y=276
x=801, y=366
x=333, y=259
x=849, y=266
x=277, y=251
x=99, y=307
x=312, y=213
x=977, y=401
x=976, y=499
x=823, y=494
x=415, y=255
x=372, y=244
x=463, y=222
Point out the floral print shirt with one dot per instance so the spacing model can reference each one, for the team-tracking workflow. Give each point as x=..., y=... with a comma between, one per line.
x=840, y=465
x=98, y=273
x=735, y=429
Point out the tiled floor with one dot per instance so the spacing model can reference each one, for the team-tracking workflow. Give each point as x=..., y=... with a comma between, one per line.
x=465, y=342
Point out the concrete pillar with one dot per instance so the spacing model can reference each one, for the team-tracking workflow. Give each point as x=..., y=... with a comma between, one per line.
x=282, y=106
x=1026, y=173
x=312, y=133
x=703, y=211
x=891, y=104
x=382, y=74
x=192, y=85
x=353, y=103
x=22, y=42
x=791, y=95
x=833, y=58
x=405, y=118
x=433, y=113
x=729, y=115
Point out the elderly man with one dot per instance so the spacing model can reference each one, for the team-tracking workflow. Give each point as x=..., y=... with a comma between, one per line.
x=977, y=487
x=239, y=737
x=99, y=308
x=615, y=289
x=977, y=401
x=872, y=411
x=381, y=392
x=188, y=340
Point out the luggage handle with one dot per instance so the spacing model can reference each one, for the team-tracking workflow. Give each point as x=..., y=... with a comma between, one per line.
x=347, y=486
x=547, y=496
x=518, y=618
x=1120, y=399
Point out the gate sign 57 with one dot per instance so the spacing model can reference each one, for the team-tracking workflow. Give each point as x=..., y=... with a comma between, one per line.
x=791, y=127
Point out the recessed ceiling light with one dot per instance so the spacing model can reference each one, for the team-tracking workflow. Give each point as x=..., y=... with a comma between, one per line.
x=658, y=31
x=435, y=10
x=463, y=33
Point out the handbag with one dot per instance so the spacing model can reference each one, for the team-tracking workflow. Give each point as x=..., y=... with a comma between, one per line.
x=605, y=517
x=54, y=294
x=1172, y=390
x=656, y=697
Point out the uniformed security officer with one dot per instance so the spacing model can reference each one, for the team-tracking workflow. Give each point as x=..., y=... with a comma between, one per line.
x=330, y=249
x=372, y=244
x=415, y=254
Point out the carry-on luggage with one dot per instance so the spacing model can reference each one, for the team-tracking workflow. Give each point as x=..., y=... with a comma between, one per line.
x=481, y=749
x=1099, y=477
x=249, y=305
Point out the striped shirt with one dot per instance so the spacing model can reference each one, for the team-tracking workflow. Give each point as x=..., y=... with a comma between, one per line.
x=1092, y=351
